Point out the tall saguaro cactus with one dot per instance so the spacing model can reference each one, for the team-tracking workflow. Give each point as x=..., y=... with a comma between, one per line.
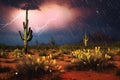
x=85, y=40
x=27, y=33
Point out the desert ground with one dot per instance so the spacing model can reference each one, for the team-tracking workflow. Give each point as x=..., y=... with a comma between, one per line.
x=60, y=64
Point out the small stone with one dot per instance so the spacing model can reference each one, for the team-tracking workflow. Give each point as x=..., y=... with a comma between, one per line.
x=16, y=73
x=50, y=70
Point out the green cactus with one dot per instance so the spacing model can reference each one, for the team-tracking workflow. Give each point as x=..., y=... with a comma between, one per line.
x=27, y=33
x=52, y=42
x=85, y=40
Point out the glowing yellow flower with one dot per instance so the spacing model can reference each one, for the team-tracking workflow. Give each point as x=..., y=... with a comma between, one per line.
x=98, y=64
x=60, y=67
x=46, y=67
x=84, y=62
x=62, y=71
x=43, y=58
x=108, y=50
x=50, y=56
x=38, y=60
x=107, y=56
x=73, y=60
x=88, y=57
x=54, y=62
x=29, y=56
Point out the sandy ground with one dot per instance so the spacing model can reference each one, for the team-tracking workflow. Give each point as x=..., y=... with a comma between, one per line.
x=90, y=75
x=67, y=74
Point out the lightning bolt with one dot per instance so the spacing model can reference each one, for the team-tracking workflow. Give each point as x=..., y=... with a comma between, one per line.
x=3, y=26
x=44, y=27
x=40, y=30
x=9, y=23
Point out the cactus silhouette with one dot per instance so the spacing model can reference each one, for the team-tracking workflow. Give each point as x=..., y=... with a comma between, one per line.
x=85, y=40
x=27, y=33
x=52, y=42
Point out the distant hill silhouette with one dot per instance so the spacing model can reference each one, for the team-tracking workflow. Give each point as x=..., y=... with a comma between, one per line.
x=96, y=38
x=99, y=37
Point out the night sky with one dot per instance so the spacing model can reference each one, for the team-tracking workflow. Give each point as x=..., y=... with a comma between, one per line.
x=64, y=20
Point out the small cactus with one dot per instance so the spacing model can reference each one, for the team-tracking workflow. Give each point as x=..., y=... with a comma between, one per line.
x=27, y=33
x=52, y=42
x=85, y=40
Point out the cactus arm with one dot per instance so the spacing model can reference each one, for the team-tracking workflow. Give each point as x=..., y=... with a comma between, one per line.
x=29, y=37
x=24, y=26
x=21, y=35
x=28, y=31
x=85, y=39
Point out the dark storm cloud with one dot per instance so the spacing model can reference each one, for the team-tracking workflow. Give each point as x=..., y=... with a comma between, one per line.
x=110, y=12
x=31, y=4
x=79, y=3
x=105, y=18
x=34, y=4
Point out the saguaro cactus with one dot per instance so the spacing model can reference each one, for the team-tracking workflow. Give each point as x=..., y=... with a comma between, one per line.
x=52, y=42
x=85, y=40
x=27, y=33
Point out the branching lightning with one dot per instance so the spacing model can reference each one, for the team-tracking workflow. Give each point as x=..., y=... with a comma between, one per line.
x=9, y=23
x=44, y=27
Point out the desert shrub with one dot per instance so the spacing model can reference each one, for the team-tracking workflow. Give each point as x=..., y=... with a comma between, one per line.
x=91, y=59
x=18, y=53
x=43, y=53
x=38, y=66
x=65, y=49
x=44, y=47
x=111, y=52
x=3, y=54
x=57, y=55
x=53, y=51
x=118, y=51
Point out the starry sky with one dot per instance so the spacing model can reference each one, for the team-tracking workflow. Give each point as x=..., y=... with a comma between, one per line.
x=64, y=20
